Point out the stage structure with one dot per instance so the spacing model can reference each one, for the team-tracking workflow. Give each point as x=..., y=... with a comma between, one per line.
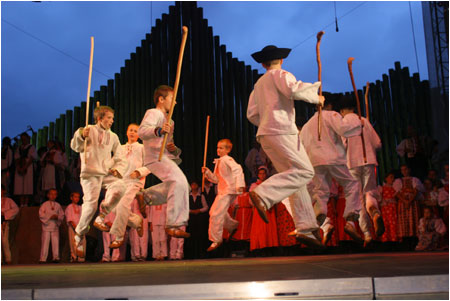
x=216, y=84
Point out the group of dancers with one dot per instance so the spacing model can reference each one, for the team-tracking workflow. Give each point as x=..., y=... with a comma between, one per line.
x=300, y=159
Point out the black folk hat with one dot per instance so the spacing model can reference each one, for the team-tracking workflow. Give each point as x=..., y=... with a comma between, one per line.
x=270, y=53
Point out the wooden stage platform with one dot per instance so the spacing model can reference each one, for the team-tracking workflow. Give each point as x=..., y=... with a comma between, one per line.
x=400, y=275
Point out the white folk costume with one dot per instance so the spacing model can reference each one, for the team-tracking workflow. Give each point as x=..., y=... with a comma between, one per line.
x=166, y=170
x=73, y=213
x=229, y=177
x=95, y=174
x=23, y=177
x=176, y=246
x=50, y=160
x=271, y=109
x=364, y=172
x=139, y=245
x=50, y=228
x=118, y=254
x=134, y=153
x=9, y=212
x=159, y=236
x=328, y=156
x=7, y=161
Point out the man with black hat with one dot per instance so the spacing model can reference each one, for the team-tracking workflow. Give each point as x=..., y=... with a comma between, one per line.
x=328, y=156
x=271, y=109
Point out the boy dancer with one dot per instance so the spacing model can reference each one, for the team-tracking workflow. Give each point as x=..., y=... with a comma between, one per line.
x=271, y=109
x=230, y=179
x=328, y=156
x=98, y=169
x=364, y=172
x=51, y=216
x=73, y=213
x=152, y=129
x=134, y=178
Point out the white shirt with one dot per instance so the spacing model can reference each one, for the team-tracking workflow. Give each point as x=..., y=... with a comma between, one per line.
x=73, y=213
x=9, y=208
x=271, y=103
x=46, y=211
x=158, y=215
x=227, y=174
x=134, y=153
x=101, y=143
x=155, y=118
x=330, y=150
x=355, y=154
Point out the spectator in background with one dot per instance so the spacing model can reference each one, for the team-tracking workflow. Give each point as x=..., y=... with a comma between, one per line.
x=51, y=216
x=414, y=149
x=255, y=159
x=73, y=213
x=409, y=190
x=7, y=162
x=159, y=235
x=388, y=206
x=431, y=229
x=24, y=175
x=50, y=161
x=197, y=224
x=9, y=212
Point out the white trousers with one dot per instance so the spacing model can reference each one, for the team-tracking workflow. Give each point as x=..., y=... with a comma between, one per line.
x=139, y=245
x=45, y=241
x=73, y=253
x=294, y=169
x=368, y=190
x=159, y=241
x=117, y=254
x=5, y=241
x=177, y=191
x=219, y=217
x=115, y=188
x=176, y=246
x=321, y=188
x=123, y=209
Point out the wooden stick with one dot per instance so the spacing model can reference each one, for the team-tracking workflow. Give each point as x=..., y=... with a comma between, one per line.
x=91, y=61
x=366, y=97
x=319, y=64
x=175, y=88
x=206, y=150
x=349, y=63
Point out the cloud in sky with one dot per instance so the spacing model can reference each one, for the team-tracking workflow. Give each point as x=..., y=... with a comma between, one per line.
x=39, y=83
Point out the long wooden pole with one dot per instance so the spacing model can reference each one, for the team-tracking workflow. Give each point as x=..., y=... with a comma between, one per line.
x=175, y=88
x=366, y=98
x=319, y=65
x=349, y=63
x=206, y=150
x=91, y=61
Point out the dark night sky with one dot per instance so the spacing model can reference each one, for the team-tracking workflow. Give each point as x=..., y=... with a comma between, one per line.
x=45, y=46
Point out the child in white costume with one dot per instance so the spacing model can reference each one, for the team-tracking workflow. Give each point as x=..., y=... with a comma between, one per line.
x=271, y=109
x=157, y=227
x=328, y=156
x=134, y=178
x=152, y=129
x=51, y=216
x=230, y=179
x=98, y=168
x=9, y=212
x=73, y=213
x=364, y=172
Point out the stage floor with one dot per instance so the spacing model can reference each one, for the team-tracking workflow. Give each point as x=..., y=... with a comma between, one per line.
x=364, y=276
